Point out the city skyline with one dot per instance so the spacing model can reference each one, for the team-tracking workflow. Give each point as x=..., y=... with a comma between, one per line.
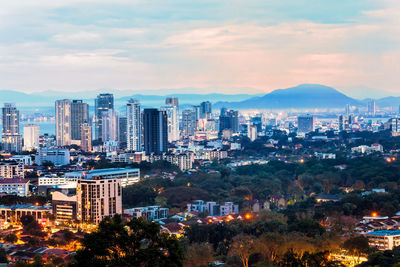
x=351, y=45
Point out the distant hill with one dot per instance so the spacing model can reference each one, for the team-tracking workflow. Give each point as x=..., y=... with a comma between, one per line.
x=305, y=96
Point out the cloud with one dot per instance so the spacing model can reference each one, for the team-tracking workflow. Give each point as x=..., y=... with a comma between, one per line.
x=86, y=44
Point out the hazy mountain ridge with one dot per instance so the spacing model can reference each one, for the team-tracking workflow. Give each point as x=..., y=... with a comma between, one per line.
x=303, y=96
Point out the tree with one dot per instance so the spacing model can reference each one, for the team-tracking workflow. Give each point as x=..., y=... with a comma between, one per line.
x=135, y=243
x=356, y=245
x=11, y=238
x=243, y=246
x=199, y=255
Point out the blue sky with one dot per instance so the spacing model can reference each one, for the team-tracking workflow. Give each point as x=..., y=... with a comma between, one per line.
x=224, y=46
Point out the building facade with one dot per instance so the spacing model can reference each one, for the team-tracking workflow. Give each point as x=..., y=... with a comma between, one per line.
x=31, y=136
x=103, y=102
x=11, y=139
x=155, y=131
x=63, y=122
x=134, y=126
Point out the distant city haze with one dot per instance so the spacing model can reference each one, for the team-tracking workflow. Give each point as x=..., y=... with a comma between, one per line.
x=235, y=47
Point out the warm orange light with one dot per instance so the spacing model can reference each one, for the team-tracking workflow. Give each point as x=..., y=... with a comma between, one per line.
x=393, y=159
x=388, y=160
x=210, y=220
x=301, y=160
x=37, y=203
x=374, y=214
x=248, y=216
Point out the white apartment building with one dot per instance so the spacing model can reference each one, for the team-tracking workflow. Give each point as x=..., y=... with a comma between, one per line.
x=133, y=126
x=56, y=156
x=127, y=176
x=384, y=239
x=15, y=186
x=31, y=136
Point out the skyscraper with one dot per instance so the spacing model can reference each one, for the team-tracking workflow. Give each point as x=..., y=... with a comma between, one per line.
x=371, y=108
x=205, y=110
x=86, y=137
x=172, y=122
x=79, y=116
x=11, y=139
x=63, y=122
x=155, y=131
x=172, y=101
x=110, y=126
x=134, y=126
x=188, y=122
x=103, y=102
x=347, y=109
x=305, y=124
x=31, y=136
x=229, y=119
x=123, y=129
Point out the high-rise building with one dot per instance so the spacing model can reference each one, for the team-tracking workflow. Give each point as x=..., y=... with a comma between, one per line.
x=205, y=110
x=172, y=122
x=188, y=122
x=371, y=108
x=155, y=131
x=79, y=116
x=134, y=126
x=63, y=122
x=102, y=103
x=229, y=120
x=98, y=198
x=252, y=132
x=257, y=121
x=197, y=112
x=123, y=130
x=347, y=109
x=31, y=136
x=11, y=139
x=110, y=126
x=305, y=124
x=172, y=101
x=86, y=137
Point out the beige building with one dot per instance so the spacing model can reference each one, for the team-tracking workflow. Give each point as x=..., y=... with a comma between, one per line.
x=98, y=198
x=9, y=170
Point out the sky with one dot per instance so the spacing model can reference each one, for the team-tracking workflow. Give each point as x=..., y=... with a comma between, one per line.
x=225, y=46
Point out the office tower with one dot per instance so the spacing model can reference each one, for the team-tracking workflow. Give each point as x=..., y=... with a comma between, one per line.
x=123, y=128
x=103, y=102
x=229, y=120
x=305, y=124
x=172, y=101
x=98, y=198
x=134, y=126
x=341, y=123
x=11, y=139
x=257, y=121
x=371, y=108
x=63, y=122
x=197, y=112
x=172, y=122
x=252, y=132
x=86, y=137
x=205, y=110
x=155, y=131
x=110, y=126
x=79, y=116
x=31, y=136
x=188, y=122
x=347, y=109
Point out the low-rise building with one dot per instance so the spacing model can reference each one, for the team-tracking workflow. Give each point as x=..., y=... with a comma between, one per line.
x=58, y=157
x=11, y=169
x=64, y=207
x=127, y=176
x=384, y=239
x=212, y=208
x=14, y=213
x=151, y=213
x=15, y=186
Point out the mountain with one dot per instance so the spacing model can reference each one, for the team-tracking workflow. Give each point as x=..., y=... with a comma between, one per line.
x=305, y=96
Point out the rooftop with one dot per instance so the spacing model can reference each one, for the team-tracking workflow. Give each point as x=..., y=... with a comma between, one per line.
x=384, y=233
